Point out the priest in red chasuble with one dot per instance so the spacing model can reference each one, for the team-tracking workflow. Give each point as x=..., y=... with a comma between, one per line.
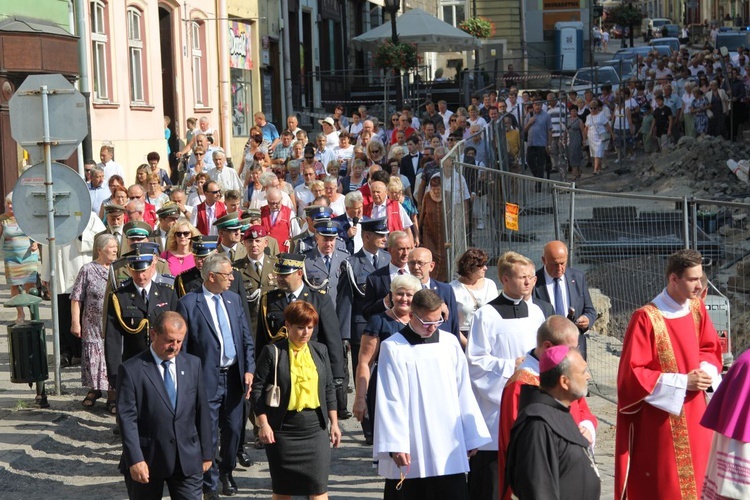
x=671, y=358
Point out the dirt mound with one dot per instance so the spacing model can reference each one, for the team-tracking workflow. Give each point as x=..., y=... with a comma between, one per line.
x=695, y=167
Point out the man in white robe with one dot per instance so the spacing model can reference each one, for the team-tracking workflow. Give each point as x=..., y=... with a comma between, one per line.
x=502, y=332
x=427, y=421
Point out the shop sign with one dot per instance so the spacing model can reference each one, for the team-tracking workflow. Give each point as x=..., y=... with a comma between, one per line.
x=240, y=56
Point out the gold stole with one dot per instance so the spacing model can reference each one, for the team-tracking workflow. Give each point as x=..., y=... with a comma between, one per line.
x=679, y=426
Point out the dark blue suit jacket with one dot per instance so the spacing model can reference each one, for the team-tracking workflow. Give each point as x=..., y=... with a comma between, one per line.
x=344, y=226
x=578, y=293
x=154, y=432
x=445, y=292
x=377, y=287
x=202, y=338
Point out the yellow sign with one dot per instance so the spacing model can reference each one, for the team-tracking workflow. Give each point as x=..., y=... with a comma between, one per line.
x=511, y=216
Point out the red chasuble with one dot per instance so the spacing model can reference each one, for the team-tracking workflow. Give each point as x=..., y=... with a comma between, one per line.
x=579, y=410
x=659, y=455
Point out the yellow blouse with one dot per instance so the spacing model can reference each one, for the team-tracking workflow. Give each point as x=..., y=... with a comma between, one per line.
x=304, y=377
x=513, y=136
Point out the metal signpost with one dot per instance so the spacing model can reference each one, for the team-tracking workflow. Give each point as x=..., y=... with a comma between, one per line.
x=48, y=119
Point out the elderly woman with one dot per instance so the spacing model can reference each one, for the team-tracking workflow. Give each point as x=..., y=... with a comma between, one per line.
x=376, y=153
x=179, y=252
x=472, y=288
x=598, y=132
x=396, y=192
x=119, y=197
x=21, y=255
x=356, y=177
x=335, y=199
x=196, y=196
x=89, y=289
x=255, y=144
x=380, y=327
x=198, y=168
x=295, y=433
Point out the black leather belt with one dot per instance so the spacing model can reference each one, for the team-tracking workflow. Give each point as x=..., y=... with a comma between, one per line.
x=225, y=369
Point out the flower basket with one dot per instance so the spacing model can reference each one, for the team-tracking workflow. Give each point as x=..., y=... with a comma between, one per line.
x=479, y=27
x=398, y=56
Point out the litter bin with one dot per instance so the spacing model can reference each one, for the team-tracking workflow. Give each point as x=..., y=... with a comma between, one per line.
x=27, y=348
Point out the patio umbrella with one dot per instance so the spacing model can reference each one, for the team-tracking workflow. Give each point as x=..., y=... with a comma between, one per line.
x=429, y=33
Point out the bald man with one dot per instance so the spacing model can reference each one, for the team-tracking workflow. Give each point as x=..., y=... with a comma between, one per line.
x=565, y=288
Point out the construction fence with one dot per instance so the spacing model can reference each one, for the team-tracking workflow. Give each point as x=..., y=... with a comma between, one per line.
x=621, y=242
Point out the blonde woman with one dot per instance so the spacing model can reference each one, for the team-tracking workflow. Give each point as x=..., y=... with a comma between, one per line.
x=179, y=252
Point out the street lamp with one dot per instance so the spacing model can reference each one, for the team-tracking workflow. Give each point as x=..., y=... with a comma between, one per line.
x=393, y=6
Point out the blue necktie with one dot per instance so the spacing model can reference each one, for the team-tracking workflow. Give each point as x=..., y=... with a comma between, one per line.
x=169, y=384
x=559, y=306
x=226, y=330
x=327, y=260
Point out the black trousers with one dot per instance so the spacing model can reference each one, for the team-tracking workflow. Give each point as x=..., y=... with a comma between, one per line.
x=451, y=487
x=483, y=475
x=536, y=158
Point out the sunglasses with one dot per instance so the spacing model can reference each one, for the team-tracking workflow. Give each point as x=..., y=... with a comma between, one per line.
x=218, y=191
x=135, y=197
x=199, y=154
x=182, y=234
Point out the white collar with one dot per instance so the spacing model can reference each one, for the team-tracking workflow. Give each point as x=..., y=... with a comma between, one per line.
x=669, y=308
x=515, y=301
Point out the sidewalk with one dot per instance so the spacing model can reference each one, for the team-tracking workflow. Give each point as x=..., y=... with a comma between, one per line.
x=69, y=452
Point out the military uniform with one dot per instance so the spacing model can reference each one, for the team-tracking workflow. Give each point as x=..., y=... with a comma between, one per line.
x=256, y=285
x=126, y=327
x=271, y=319
x=305, y=242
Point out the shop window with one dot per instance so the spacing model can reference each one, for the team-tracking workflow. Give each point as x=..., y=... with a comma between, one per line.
x=100, y=51
x=136, y=57
x=242, y=113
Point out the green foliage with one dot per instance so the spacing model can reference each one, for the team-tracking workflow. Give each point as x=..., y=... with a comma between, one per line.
x=479, y=27
x=625, y=15
x=395, y=56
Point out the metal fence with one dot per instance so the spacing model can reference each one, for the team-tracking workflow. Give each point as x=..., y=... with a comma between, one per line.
x=621, y=241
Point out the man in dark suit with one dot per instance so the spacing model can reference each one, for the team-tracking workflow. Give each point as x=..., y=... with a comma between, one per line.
x=410, y=161
x=168, y=215
x=130, y=310
x=323, y=263
x=218, y=333
x=421, y=265
x=349, y=228
x=378, y=287
x=164, y=417
x=569, y=296
x=350, y=297
x=289, y=277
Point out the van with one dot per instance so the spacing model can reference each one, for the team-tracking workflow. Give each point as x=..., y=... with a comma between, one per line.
x=654, y=25
x=592, y=78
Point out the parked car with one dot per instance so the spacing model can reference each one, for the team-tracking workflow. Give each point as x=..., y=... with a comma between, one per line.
x=732, y=40
x=672, y=42
x=651, y=28
x=632, y=53
x=625, y=67
x=673, y=30
x=592, y=78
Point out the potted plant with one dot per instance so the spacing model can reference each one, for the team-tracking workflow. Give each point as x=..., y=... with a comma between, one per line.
x=479, y=26
x=398, y=56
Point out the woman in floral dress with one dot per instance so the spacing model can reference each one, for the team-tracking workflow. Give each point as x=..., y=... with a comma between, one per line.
x=698, y=109
x=89, y=289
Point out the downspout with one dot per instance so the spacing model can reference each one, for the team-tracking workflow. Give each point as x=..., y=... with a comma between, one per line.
x=287, y=60
x=225, y=94
x=84, y=86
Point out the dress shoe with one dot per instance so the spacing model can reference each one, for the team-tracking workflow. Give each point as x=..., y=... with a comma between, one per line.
x=244, y=459
x=210, y=495
x=228, y=486
x=345, y=414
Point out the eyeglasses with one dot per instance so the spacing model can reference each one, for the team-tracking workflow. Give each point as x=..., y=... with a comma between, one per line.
x=218, y=191
x=451, y=119
x=199, y=154
x=225, y=275
x=182, y=234
x=428, y=324
x=135, y=197
x=418, y=263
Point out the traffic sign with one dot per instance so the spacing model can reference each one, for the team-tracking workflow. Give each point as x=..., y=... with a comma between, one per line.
x=67, y=116
x=72, y=204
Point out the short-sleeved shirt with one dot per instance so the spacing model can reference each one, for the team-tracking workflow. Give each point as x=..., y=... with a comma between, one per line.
x=539, y=130
x=382, y=326
x=661, y=119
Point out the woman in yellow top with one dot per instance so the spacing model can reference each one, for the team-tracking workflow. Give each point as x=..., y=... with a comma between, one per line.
x=296, y=436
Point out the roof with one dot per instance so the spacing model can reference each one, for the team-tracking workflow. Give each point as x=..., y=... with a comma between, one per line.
x=18, y=24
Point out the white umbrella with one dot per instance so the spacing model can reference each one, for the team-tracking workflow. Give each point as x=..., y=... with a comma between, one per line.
x=429, y=33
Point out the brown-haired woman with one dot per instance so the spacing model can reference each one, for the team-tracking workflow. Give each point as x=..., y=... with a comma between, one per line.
x=295, y=434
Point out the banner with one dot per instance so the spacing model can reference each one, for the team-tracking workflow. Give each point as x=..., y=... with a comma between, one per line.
x=240, y=56
x=511, y=216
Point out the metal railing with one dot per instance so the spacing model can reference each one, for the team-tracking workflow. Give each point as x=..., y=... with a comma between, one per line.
x=620, y=241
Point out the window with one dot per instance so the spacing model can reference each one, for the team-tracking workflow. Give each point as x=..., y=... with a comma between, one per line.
x=135, y=56
x=454, y=13
x=198, y=35
x=99, y=50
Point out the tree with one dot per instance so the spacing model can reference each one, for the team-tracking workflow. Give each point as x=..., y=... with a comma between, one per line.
x=626, y=15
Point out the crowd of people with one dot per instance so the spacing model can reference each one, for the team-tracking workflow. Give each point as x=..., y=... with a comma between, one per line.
x=234, y=301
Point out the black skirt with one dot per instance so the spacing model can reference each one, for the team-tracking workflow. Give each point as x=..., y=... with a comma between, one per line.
x=300, y=459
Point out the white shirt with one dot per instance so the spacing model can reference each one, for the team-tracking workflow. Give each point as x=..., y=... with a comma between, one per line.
x=98, y=195
x=394, y=271
x=549, y=282
x=227, y=178
x=212, y=307
x=111, y=168
x=210, y=218
x=304, y=198
x=171, y=366
x=357, y=238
